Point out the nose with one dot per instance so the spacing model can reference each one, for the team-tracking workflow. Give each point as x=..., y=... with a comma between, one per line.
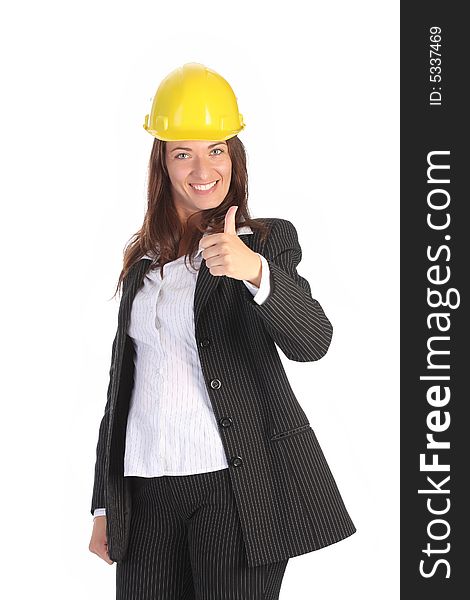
x=202, y=171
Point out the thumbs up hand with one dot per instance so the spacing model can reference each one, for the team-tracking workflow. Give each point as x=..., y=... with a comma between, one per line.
x=226, y=254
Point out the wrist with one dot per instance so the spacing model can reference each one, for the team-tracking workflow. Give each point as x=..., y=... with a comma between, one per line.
x=255, y=279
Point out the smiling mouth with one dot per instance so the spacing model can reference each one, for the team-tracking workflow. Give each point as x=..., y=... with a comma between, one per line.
x=203, y=187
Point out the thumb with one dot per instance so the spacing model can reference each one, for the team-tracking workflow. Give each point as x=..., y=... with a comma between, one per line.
x=229, y=223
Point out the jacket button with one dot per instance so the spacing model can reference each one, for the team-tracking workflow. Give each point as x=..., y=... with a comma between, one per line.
x=236, y=461
x=205, y=342
x=226, y=421
x=215, y=384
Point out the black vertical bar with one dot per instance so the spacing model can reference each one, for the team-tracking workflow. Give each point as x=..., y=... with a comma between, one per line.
x=435, y=268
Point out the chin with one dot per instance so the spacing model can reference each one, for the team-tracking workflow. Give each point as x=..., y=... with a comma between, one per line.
x=209, y=203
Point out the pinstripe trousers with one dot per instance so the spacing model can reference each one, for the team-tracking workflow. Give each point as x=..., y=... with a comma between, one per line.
x=186, y=543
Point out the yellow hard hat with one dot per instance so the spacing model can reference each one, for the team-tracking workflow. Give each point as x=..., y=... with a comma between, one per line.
x=194, y=102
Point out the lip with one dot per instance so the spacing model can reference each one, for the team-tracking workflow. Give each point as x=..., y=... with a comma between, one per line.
x=205, y=192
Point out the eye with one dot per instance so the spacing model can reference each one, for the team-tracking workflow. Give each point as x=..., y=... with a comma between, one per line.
x=186, y=154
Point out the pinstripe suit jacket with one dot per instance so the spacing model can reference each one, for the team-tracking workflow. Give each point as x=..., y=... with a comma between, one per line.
x=287, y=498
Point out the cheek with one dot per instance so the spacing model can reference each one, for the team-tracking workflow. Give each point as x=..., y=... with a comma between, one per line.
x=177, y=173
x=227, y=171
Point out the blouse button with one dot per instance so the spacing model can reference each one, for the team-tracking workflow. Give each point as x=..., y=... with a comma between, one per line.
x=215, y=384
x=205, y=342
x=236, y=461
x=226, y=421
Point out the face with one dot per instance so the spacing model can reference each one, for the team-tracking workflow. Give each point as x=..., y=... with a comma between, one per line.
x=193, y=167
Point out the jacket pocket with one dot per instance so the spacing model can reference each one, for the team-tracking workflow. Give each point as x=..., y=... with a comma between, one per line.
x=289, y=432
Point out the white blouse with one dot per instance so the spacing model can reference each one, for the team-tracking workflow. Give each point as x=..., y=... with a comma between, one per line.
x=171, y=427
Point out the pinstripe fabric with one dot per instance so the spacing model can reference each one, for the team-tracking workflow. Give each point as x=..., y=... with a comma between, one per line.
x=186, y=542
x=171, y=429
x=286, y=495
x=162, y=333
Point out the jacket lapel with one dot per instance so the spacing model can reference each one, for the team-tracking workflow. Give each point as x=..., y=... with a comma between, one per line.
x=207, y=283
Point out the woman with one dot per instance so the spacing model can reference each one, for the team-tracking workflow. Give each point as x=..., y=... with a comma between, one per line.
x=208, y=474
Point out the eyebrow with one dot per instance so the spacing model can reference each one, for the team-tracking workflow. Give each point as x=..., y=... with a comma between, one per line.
x=210, y=146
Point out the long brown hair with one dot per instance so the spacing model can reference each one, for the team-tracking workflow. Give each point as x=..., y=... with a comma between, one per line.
x=162, y=230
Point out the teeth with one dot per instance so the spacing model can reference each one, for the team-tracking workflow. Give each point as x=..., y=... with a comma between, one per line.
x=203, y=187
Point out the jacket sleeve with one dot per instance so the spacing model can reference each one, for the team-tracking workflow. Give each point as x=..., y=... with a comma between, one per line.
x=98, y=485
x=295, y=321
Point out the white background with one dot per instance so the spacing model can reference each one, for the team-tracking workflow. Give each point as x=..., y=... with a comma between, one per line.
x=317, y=84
